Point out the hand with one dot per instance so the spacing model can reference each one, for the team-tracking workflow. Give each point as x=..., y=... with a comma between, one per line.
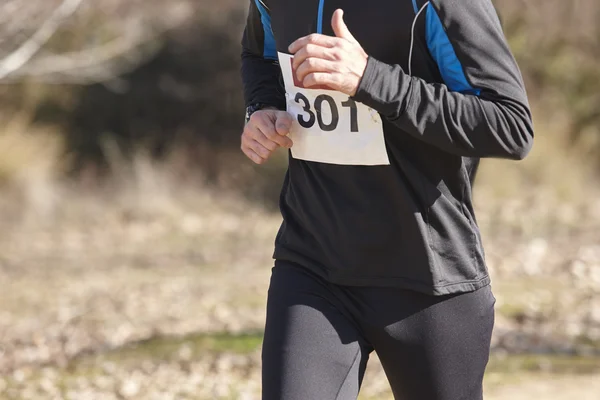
x=336, y=62
x=266, y=130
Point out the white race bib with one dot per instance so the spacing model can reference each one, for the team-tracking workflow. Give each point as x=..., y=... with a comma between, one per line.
x=330, y=127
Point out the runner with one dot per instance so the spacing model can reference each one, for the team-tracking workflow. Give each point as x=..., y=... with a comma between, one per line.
x=386, y=112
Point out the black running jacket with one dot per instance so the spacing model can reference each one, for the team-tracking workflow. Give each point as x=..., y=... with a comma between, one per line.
x=443, y=90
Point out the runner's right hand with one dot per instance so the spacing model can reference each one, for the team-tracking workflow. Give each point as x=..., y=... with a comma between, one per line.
x=266, y=130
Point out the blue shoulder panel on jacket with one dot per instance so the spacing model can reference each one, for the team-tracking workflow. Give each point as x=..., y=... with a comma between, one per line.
x=444, y=55
x=415, y=6
x=269, y=51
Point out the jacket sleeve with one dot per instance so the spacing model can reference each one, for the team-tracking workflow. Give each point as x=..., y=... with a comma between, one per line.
x=261, y=75
x=481, y=110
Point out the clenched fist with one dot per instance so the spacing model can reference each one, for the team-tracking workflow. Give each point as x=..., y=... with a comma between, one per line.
x=337, y=62
x=266, y=131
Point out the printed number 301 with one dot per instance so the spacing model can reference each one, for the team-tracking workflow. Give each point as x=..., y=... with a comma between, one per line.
x=309, y=121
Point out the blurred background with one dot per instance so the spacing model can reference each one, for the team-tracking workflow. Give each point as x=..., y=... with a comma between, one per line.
x=136, y=240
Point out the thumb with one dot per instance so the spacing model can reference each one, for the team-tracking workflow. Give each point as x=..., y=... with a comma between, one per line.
x=339, y=26
x=283, y=123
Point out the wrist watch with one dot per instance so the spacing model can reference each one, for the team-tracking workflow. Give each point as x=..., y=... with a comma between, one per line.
x=252, y=108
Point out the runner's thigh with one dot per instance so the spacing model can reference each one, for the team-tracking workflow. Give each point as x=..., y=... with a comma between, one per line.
x=311, y=351
x=438, y=350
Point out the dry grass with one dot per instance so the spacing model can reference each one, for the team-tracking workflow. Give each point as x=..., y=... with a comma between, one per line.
x=31, y=159
x=555, y=164
x=557, y=45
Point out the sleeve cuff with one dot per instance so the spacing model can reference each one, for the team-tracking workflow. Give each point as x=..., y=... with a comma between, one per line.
x=383, y=87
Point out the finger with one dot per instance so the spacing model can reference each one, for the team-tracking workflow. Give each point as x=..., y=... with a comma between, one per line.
x=258, y=148
x=284, y=123
x=262, y=129
x=328, y=79
x=282, y=141
x=312, y=50
x=253, y=156
x=274, y=140
x=315, y=38
x=257, y=136
x=339, y=26
x=283, y=126
x=314, y=65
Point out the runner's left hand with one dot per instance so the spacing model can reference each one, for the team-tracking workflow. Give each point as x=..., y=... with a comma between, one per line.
x=336, y=62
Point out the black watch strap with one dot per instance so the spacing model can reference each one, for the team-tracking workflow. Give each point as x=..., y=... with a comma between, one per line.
x=252, y=108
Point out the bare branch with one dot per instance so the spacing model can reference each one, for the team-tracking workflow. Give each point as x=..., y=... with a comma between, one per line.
x=23, y=54
x=110, y=56
x=129, y=32
x=92, y=65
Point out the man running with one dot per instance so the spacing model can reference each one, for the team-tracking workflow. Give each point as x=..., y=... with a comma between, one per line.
x=386, y=112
